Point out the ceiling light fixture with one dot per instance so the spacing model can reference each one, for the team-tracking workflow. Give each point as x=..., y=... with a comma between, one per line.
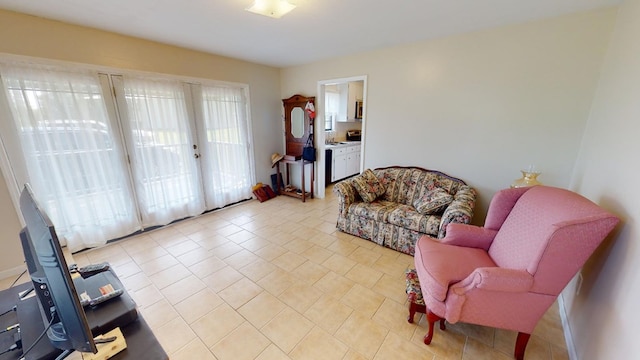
x=271, y=8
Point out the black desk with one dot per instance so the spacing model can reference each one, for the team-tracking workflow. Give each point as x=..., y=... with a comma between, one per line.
x=141, y=343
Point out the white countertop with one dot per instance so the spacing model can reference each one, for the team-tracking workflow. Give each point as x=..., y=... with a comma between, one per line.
x=342, y=144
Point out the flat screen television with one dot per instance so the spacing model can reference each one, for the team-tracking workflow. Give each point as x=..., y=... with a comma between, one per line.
x=50, y=275
x=37, y=278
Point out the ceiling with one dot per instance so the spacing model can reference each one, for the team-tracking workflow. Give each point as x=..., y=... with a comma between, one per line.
x=314, y=31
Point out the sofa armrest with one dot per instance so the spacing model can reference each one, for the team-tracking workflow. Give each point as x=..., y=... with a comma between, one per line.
x=347, y=195
x=460, y=210
x=468, y=236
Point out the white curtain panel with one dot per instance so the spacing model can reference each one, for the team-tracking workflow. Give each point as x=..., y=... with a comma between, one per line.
x=160, y=138
x=225, y=138
x=164, y=151
x=72, y=156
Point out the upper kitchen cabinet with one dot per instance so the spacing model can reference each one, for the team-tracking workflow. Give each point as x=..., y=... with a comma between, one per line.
x=351, y=101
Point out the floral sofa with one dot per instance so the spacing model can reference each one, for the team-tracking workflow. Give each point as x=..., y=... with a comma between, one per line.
x=395, y=206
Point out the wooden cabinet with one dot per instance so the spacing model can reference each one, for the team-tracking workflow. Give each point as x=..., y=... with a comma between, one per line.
x=345, y=162
x=297, y=124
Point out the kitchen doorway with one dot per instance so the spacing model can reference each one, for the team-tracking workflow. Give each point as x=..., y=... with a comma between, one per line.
x=341, y=123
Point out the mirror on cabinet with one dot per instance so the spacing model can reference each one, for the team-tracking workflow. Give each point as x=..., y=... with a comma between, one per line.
x=297, y=122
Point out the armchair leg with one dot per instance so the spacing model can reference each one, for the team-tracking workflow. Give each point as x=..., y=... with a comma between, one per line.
x=432, y=318
x=521, y=345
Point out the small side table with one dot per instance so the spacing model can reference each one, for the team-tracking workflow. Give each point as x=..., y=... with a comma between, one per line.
x=281, y=187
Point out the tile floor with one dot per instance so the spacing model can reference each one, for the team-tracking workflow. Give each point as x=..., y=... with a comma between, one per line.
x=275, y=280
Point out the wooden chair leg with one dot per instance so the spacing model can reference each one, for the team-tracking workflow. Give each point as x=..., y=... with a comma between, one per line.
x=521, y=345
x=432, y=318
x=413, y=309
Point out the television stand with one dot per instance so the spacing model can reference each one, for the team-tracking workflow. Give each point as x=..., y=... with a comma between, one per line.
x=141, y=343
x=64, y=354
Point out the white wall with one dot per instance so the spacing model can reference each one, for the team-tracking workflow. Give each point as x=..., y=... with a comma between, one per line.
x=604, y=316
x=478, y=106
x=37, y=37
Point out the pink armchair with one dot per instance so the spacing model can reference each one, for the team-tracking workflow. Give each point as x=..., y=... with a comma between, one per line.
x=507, y=273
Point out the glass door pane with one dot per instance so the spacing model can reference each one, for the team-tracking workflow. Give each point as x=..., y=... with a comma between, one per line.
x=160, y=142
x=224, y=134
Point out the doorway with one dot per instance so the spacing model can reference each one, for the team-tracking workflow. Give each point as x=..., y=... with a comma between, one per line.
x=358, y=119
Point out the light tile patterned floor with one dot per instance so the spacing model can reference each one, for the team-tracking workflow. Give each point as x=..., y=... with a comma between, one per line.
x=275, y=280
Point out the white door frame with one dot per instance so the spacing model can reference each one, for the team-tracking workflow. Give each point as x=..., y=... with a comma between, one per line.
x=319, y=129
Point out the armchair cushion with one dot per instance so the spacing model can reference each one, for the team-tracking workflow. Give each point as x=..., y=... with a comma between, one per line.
x=433, y=201
x=469, y=236
x=368, y=186
x=440, y=265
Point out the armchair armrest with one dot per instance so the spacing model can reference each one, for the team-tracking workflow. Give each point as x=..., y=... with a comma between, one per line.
x=460, y=210
x=495, y=279
x=347, y=195
x=468, y=236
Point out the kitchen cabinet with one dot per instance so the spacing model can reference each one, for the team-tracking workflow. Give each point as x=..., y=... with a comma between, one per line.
x=351, y=95
x=345, y=162
x=353, y=160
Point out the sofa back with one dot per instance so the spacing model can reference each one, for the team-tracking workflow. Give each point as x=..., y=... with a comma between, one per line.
x=406, y=184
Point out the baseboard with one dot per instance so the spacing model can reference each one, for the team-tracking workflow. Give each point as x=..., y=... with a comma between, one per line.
x=568, y=337
x=14, y=272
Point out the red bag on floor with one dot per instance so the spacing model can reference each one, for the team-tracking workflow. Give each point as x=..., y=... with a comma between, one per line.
x=264, y=193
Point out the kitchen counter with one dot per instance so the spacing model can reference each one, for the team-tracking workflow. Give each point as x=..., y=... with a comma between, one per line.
x=342, y=144
x=342, y=160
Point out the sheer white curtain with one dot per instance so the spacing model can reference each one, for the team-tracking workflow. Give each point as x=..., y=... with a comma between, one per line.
x=103, y=170
x=70, y=151
x=225, y=138
x=161, y=142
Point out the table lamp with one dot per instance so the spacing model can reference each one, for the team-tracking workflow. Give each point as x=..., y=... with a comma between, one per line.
x=529, y=178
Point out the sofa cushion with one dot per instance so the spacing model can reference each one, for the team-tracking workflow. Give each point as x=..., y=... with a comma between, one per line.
x=377, y=210
x=368, y=186
x=407, y=217
x=391, y=180
x=433, y=201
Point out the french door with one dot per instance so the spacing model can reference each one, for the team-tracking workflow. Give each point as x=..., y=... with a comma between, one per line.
x=188, y=145
x=225, y=148
x=122, y=153
x=160, y=138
